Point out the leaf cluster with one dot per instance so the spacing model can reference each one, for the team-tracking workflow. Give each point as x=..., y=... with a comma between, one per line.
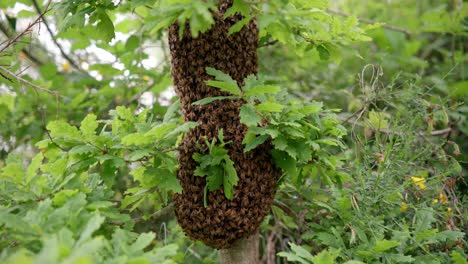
x=217, y=167
x=60, y=208
x=299, y=132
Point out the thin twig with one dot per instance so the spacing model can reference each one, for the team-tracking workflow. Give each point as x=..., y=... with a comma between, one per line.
x=138, y=96
x=269, y=43
x=32, y=85
x=171, y=149
x=441, y=132
x=62, y=51
x=35, y=87
x=28, y=30
x=285, y=208
x=164, y=212
x=371, y=22
x=7, y=32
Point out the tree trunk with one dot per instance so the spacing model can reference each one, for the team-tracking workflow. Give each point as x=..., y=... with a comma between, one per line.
x=243, y=251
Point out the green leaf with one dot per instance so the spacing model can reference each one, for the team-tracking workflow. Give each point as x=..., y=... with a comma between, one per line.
x=62, y=196
x=262, y=90
x=458, y=258
x=459, y=89
x=326, y=256
x=220, y=76
x=323, y=52
x=168, y=182
x=447, y=235
x=124, y=113
x=239, y=25
x=82, y=150
x=248, y=116
x=89, y=125
x=136, y=139
x=133, y=42
x=35, y=164
x=269, y=107
x=293, y=258
x=93, y=224
x=423, y=220
x=105, y=27
x=225, y=86
x=172, y=112
x=8, y=101
x=239, y=7
x=311, y=108
x=384, y=245
x=221, y=135
x=14, y=222
x=62, y=129
x=378, y=120
x=300, y=251
x=230, y=179
x=185, y=127
x=400, y=258
x=215, y=178
x=285, y=162
x=160, y=131
x=142, y=242
x=199, y=24
x=222, y=81
x=255, y=142
x=298, y=254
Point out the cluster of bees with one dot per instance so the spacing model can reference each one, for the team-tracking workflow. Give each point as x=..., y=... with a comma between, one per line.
x=223, y=221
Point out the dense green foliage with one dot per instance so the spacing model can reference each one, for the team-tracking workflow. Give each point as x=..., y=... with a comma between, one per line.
x=88, y=165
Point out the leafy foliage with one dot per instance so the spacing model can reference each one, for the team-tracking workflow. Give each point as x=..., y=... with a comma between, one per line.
x=299, y=131
x=217, y=167
x=85, y=176
x=64, y=195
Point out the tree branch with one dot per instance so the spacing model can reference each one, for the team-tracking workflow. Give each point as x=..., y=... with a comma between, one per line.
x=28, y=83
x=285, y=208
x=28, y=30
x=164, y=212
x=62, y=51
x=11, y=39
x=269, y=43
x=26, y=52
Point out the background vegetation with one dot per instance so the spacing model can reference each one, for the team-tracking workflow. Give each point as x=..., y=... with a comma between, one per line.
x=89, y=130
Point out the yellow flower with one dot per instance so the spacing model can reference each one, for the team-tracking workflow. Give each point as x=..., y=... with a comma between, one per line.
x=66, y=67
x=435, y=201
x=449, y=209
x=380, y=158
x=22, y=55
x=419, y=182
x=403, y=207
x=443, y=198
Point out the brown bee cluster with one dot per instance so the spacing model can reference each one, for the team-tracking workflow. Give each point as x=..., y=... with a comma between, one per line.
x=223, y=221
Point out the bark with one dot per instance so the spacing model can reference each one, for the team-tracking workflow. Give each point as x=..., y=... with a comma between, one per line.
x=243, y=251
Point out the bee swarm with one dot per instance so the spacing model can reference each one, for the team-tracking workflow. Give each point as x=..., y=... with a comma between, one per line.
x=223, y=221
